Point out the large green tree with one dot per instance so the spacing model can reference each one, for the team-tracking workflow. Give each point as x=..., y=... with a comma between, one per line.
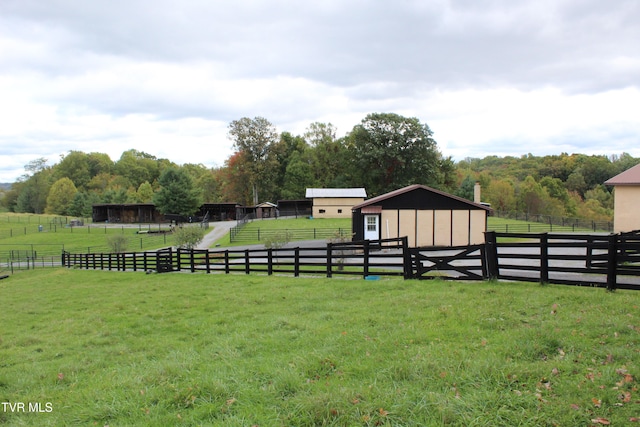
x=61, y=197
x=252, y=138
x=177, y=193
x=33, y=187
x=138, y=167
x=75, y=166
x=388, y=151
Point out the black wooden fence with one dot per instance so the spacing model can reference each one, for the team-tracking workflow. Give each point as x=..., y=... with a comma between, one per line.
x=610, y=261
x=387, y=257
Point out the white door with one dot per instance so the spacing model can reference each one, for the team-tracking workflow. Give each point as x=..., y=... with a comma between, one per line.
x=371, y=227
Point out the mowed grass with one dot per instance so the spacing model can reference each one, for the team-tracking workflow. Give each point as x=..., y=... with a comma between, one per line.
x=20, y=232
x=288, y=224
x=107, y=348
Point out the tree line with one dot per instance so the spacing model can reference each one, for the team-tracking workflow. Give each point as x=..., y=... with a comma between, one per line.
x=384, y=152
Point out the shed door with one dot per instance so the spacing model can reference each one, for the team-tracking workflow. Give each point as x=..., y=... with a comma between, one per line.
x=372, y=227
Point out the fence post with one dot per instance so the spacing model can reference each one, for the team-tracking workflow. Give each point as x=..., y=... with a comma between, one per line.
x=544, y=258
x=612, y=262
x=226, y=261
x=192, y=261
x=247, y=267
x=296, y=267
x=178, y=258
x=329, y=259
x=406, y=257
x=270, y=261
x=491, y=255
x=365, y=271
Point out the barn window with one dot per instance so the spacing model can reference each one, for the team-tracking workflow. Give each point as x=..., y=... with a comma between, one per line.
x=371, y=223
x=339, y=210
x=321, y=211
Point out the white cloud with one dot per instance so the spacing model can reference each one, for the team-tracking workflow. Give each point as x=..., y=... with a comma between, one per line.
x=489, y=77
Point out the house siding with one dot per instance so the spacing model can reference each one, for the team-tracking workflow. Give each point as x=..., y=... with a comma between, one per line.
x=626, y=205
x=431, y=227
x=426, y=217
x=329, y=207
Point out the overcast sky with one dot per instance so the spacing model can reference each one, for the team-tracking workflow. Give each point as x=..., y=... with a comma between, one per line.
x=490, y=77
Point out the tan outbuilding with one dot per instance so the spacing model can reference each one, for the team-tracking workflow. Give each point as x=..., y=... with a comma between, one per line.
x=428, y=217
x=626, y=200
x=334, y=202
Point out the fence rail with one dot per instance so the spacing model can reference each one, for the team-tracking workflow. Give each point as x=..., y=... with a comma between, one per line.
x=388, y=257
x=608, y=261
x=241, y=234
x=30, y=263
x=549, y=223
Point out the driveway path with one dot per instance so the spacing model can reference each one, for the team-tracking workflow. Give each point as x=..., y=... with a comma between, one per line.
x=220, y=229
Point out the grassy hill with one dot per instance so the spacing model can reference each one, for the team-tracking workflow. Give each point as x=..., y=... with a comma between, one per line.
x=106, y=348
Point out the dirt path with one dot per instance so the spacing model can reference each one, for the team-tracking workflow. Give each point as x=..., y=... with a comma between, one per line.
x=220, y=229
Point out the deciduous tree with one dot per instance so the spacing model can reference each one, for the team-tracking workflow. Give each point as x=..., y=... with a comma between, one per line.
x=252, y=138
x=389, y=151
x=177, y=193
x=61, y=195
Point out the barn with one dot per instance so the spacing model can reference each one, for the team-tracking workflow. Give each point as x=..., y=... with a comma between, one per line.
x=626, y=200
x=126, y=212
x=334, y=202
x=428, y=217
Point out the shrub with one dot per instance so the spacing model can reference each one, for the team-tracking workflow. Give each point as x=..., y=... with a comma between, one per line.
x=277, y=240
x=117, y=243
x=188, y=237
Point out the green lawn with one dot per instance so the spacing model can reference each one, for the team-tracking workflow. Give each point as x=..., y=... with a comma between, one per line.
x=21, y=232
x=106, y=348
x=299, y=228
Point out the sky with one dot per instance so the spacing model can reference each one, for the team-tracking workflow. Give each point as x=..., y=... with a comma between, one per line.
x=489, y=77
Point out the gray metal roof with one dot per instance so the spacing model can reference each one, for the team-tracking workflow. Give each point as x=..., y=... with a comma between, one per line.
x=313, y=193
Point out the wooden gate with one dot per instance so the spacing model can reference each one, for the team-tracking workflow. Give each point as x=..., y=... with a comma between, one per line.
x=164, y=260
x=450, y=262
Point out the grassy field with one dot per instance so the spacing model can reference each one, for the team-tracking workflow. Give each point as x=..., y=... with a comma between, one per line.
x=300, y=228
x=21, y=232
x=101, y=348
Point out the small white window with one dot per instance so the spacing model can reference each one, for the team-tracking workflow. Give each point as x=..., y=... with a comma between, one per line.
x=371, y=223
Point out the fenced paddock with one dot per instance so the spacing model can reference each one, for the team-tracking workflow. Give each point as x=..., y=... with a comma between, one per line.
x=610, y=261
x=242, y=234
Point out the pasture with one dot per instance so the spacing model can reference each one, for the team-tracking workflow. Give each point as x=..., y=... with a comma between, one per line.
x=106, y=348
x=23, y=235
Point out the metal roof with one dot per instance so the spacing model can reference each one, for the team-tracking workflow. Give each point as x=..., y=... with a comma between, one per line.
x=313, y=193
x=409, y=188
x=629, y=177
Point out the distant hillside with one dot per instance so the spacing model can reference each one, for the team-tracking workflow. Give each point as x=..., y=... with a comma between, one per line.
x=5, y=186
